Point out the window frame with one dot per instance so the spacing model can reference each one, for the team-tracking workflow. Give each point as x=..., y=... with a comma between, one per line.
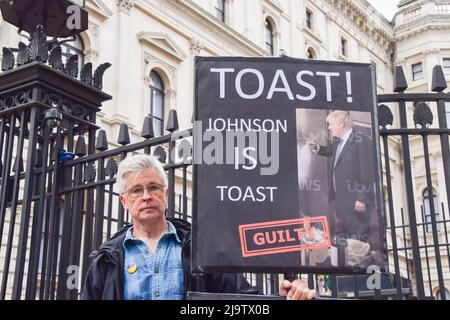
x=160, y=91
x=446, y=66
x=269, y=29
x=309, y=19
x=68, y=50
x=220, y=10
x=344, y=47
x=416, y=73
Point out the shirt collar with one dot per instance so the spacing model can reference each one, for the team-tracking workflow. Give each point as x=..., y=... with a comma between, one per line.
x=172, y=231
x=346, y=136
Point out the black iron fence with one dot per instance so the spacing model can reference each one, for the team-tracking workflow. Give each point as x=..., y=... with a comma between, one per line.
x=59, y=200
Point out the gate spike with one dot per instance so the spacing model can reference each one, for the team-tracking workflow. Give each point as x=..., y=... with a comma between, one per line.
x=172, y=121
x=147, y=128
x=400, y=84
x=124, y=135
x=102, y=141
x=80, y=148
x=438, y=83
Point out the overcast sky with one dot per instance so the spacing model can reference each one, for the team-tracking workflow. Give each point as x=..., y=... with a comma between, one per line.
x=386, y=7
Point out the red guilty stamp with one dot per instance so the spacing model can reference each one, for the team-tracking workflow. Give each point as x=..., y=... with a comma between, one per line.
x=268, y=238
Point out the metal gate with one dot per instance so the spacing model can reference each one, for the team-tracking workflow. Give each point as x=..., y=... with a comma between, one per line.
x=58, y=198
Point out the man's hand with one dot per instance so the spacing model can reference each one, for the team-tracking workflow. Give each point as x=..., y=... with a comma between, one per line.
x=296, y=290
x=313, y=147
x=360, y=207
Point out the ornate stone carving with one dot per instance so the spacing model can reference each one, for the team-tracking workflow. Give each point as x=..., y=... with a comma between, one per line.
x=125, y=5
x=196, y=46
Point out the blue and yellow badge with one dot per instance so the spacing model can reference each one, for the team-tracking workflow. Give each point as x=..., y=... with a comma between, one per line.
x=132, y=268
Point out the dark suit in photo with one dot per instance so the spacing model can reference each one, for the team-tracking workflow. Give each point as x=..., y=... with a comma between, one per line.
x=351, y=179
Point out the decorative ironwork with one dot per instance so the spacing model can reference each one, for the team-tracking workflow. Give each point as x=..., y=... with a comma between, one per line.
x=422, y=115
x=55, y=58
x=98, y=75
x=160, y=154
x=38, y=48
x=89, y=173
x=23, y=56
x=147, y=128
x=72, y=66
x=15, y=99
x=385, y=116
x=111, y=168
x=8, y=59
x=86, y=73
x=185, y=151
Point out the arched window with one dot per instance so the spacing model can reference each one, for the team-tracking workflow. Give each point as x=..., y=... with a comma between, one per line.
x=220, y=10
x=157, y=103
x=311, y=54
x=427, y=210
x=269, y=37
x=74, y=47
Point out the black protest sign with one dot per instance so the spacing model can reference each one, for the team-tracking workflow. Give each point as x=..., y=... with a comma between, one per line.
x=286, y=166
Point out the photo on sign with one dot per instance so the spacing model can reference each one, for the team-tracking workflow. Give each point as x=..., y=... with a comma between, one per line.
x=336, y=180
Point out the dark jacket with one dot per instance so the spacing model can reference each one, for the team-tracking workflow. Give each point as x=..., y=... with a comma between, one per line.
x=104, y=278
x=354, y=172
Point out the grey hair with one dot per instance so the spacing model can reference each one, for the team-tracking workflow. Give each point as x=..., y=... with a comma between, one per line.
x=137, y=163
x=343, y=116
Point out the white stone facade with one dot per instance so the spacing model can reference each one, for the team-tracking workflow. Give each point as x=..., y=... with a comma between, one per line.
x=140, y=36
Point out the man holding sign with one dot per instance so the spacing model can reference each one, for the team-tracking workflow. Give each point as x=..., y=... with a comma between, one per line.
x=151, y=259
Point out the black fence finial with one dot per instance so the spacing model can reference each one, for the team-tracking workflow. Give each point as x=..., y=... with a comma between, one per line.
x=438, y=83
x=80, y=148
x=400, y=84
x=124, y=135
x=147, y=128
x=172, y=121
x=102, y=141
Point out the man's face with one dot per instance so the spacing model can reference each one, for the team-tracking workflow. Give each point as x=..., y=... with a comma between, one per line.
x=336, y=128
x=144, y=197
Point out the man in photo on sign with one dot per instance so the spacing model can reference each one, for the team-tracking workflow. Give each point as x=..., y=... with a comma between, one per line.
x=351, y=178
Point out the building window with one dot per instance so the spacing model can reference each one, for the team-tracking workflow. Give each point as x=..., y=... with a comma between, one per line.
x=269, y=37
x=344, y=47
x=157, y=103
x=442, y=8
x=71, y=48
x=417, y=71
x=220, y=10
x=309, y=19
x=446, y=66
x=427, y=210
x=311, y=54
